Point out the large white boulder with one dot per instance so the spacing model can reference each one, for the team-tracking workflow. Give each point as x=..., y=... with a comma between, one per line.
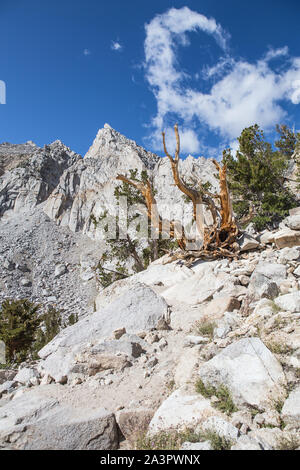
x=293, y=222
x=266, y=237
x=249, y=370
x=287, y=237
x=138, y=309
x=198, y=288
x=290, y=302
x=35, y=422
x=220, y=426
x=25, y=375
x=264, y=277
x=291, y=409
x=166, y=275
x=247, y=242
x=273, y=271
x=245, y=442
x=179, y=411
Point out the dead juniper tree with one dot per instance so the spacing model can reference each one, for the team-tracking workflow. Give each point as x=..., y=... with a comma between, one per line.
x=159, y=226
x=219, y=238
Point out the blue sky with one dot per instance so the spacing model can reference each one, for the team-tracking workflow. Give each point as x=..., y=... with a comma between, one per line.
x=214, y=66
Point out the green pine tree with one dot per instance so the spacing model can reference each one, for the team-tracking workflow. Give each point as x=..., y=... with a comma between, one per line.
x=288, y=143
x=19, y=322
x=256, y=178
x=72, y=319
x=50, y=325
x=287, y=140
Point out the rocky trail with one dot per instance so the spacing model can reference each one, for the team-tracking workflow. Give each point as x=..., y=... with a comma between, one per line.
x=144, y=368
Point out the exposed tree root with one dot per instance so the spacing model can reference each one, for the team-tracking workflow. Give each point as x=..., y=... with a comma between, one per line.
x=189, y=257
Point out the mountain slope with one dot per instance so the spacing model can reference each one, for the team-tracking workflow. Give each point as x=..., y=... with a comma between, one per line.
x=30, y=181
x=47, y=197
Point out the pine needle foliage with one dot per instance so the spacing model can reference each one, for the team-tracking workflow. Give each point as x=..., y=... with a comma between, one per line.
x=19, y=322
x=257, y=177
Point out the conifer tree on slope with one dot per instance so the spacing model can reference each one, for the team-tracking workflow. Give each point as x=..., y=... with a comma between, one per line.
x=19, y=322
x=289, y=143
x=288, y=140
x=257, y=177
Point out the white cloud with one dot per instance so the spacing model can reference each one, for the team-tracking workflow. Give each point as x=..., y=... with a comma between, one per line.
x=86, y=52
x=245, y=95
x=274, y=53
x=242, y=94
x=189, y=142
x=223, y=64
x=116, y=46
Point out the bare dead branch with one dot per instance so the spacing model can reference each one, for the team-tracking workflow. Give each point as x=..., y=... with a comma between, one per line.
x=176, y=230
x=218, y=240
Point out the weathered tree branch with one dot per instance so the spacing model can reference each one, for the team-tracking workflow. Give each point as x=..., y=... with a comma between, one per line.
x=176, y=230
x=194, y=195
x=220, y=239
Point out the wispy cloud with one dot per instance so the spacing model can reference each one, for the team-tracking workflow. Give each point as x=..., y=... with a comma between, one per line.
x=86, y=52
x=241, y=93
x=116, y=46
x=275, y=53
x=223, y=64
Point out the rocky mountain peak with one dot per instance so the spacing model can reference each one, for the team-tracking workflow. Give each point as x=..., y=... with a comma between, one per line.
x=8, y=148
x=111, y=143
x=59, y=145
x=30, y=173
x=12, y=155
x=59, y=153
x=86, y=189
x=76, y=189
